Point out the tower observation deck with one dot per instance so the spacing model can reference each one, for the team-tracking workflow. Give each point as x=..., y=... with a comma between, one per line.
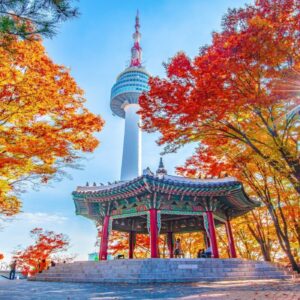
x=130, y=84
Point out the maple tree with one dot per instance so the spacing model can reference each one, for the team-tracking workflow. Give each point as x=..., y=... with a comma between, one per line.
x=119, y=244
x=46, y=244
x=260, y=225
x=236, y=99
x=256, y=235
x=43, y=122
x=60, y=258
x=230, y=91
x=279, y=198
x=274, y=225
x=190, y=243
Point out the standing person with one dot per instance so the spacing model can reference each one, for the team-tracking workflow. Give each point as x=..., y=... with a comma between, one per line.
x=178, y=250
x=208, y=252
x=200, y=253
x=42, y=265
x=39, y=266
x=12, y=272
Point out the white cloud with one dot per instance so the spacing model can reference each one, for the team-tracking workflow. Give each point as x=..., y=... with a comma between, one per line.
x=15, y=233
x=41, y=218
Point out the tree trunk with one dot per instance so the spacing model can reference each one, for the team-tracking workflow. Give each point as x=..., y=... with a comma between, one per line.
x=283, y=240
x=265, y=249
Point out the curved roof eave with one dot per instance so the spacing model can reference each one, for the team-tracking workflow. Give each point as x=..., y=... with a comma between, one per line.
x=173, y=180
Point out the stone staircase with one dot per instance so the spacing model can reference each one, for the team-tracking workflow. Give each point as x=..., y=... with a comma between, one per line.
x=163, y=270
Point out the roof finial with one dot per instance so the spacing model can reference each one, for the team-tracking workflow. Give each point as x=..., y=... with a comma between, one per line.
x=161, y=168
x=161, y=164
x=136, y=50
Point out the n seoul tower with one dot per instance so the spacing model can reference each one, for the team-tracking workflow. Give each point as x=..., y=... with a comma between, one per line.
x=124, y=103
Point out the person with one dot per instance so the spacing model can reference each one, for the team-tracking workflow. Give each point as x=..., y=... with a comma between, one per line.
x=42, y=265
x=178, y=250
x=200, y=253
x=208, y=252
x=12, y=272
x=53, y=263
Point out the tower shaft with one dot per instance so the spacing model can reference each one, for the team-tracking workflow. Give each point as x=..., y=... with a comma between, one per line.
x=131, y=160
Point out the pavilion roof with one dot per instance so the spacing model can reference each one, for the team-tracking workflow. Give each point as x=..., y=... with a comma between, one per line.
x=228, y=190
x=151, y=182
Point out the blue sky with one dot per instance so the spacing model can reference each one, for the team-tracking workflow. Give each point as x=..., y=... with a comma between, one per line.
x=96, y=47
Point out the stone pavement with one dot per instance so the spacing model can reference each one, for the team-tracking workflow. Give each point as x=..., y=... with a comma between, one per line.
x=237, y=290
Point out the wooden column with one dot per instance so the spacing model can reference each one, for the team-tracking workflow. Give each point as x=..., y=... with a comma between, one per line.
x=230, y=239
x=153, y=233
x=132, y=239
x=212, y=234
x=104, y=239
x=170, y=244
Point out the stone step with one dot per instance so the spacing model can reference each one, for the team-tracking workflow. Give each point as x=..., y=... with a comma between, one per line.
x=174, y=261
x=179, y=271
x=195, y=270
x=155, y=264
x=100, y=265
x=151, y=276
x=161, y=270
x=174, y=264
x=154, y=279
x=223, y=272
x=183, y=266
x=167, y=262
x=166, y=274
x=162, y=276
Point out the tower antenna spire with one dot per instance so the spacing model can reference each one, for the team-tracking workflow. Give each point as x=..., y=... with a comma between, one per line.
x=136, y=50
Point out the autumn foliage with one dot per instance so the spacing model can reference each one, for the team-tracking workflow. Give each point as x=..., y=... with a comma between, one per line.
x=190, y=243
x=43, y=122
x=46, y=243
x=232, y=91
x=118, y=244
x=237, y=99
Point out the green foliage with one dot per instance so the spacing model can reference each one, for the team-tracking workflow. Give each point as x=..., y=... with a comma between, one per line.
x=27, y=18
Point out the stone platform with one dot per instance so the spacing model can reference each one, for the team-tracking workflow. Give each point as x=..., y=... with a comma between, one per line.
x=163, y=270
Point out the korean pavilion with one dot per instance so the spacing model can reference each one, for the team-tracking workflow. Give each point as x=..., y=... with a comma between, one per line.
x=162, y=204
